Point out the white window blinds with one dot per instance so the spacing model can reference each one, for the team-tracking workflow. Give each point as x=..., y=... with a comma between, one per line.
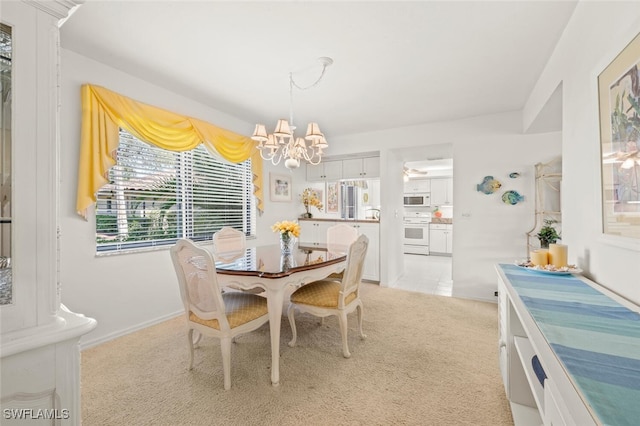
x=155, y=197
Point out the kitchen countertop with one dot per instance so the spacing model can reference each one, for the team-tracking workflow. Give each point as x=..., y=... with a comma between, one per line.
x=442, y=220
x=326, y=219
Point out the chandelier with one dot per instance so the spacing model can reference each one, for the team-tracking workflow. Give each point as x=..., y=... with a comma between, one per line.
x=283, y=143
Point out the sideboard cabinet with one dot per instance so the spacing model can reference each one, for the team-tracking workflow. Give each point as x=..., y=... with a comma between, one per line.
x=569, y=350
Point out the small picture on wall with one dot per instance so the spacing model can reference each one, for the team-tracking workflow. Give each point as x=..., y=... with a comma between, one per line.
x=279, y=187
x=332, y=197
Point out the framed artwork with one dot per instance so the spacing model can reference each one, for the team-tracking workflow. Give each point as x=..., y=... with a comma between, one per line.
x=320, y=194
x=279, y=187
x=331, y=205
x=619, y=110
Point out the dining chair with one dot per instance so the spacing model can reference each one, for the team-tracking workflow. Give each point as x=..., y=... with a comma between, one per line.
x=339, y=239
x=329, y=297
x=229, y=244
x=207, y=310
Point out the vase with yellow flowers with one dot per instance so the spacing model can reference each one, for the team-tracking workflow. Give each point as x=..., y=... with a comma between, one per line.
x=310, y=198
x=288, y=231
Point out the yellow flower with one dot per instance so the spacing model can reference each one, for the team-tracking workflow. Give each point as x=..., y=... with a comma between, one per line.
x=310, y=198
x=287, y=227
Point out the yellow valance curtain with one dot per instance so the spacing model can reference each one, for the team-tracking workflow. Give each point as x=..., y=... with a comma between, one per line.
x=104, y=112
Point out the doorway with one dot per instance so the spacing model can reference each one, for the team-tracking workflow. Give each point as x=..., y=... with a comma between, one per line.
x=426, y=274
x=430, y=270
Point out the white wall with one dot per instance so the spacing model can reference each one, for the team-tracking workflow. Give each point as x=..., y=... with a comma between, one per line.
x=124, y=292
x=596, y=33
x=128, y=291
x=486, y=231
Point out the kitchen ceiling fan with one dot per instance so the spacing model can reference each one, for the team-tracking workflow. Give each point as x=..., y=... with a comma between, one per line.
x=409, y=172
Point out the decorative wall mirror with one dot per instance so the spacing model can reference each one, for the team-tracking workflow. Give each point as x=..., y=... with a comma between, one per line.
x=5, y=166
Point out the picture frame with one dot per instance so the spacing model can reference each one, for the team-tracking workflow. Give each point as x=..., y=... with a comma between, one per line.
x=333, y=188
x=280, y=189
x=320, y=194
x=619, y=107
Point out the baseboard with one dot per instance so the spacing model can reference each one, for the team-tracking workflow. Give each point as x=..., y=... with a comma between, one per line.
x=95, y=342
x=493, y=299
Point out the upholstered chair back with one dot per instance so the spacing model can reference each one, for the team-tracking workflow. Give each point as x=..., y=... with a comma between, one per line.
x=353, y=271
x=195, y=269
x=229, y=244
x=340, y=237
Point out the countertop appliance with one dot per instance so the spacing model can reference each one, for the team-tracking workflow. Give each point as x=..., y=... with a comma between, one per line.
x=417, y=200
x=416, y=233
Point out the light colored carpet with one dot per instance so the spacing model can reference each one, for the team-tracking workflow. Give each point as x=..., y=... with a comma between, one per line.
x=427, y=360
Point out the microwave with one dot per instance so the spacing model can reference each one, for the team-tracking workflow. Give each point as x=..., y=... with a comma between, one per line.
x=417, y=200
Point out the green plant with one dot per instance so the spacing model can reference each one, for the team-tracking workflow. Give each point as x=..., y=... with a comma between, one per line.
x=548, y=234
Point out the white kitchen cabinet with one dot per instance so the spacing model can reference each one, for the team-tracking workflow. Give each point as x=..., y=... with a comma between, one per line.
x=440, y=238
x=361, y=168
x=326, y=170
x=442, y=192
x=372, y=260
x=314, y=232
x=415, y=186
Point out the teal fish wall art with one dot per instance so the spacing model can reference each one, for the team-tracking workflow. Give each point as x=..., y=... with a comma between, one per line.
x=489, y=185
x=512, y=197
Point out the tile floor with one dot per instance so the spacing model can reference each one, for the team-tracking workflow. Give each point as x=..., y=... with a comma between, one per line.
x=426, y=274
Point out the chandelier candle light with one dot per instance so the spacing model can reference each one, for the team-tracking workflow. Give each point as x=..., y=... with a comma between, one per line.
x=282, y=143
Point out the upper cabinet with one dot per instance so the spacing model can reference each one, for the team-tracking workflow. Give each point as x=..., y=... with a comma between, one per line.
x=361, y=168
x=352, y=168
x=442, y=192
x=417, y=186
x=326, y=170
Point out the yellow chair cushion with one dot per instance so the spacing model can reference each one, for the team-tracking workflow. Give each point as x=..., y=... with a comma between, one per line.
x=336, y=275
x=320, y=293
x=240, y=309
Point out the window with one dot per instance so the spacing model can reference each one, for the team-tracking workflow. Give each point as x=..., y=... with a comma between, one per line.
x=156, y=196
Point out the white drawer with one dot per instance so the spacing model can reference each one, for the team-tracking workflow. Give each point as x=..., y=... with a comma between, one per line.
x=440, y=226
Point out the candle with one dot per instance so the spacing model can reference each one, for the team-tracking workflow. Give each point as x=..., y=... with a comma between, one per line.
x=539, y=257
x=558, y=255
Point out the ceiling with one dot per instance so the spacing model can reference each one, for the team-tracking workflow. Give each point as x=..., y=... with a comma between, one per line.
x=395, y=63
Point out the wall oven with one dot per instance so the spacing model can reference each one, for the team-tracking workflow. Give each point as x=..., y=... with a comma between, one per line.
x=417, y=200
x=416, y=234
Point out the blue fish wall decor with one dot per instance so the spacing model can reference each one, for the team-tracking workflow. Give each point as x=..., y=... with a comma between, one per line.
x=489, y=185
x=512, y=197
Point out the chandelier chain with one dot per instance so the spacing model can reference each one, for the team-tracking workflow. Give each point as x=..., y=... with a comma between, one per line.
x=292, y=84
x=314, y=84
x=283, y=144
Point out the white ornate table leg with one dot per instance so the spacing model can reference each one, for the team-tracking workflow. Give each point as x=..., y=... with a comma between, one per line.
x=275, y=301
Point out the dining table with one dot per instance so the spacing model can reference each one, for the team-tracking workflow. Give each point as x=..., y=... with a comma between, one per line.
x=278, y=274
